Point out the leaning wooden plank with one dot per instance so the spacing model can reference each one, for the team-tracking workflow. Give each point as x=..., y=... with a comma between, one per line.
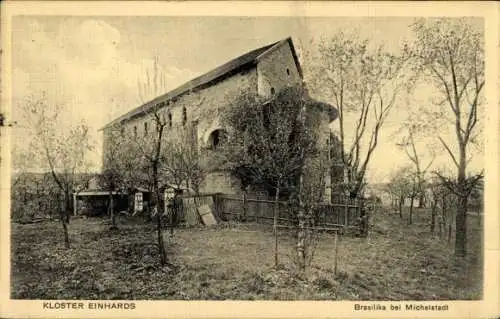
x=207, y=215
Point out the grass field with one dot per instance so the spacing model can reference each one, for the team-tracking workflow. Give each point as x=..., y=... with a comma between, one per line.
x=396, y=262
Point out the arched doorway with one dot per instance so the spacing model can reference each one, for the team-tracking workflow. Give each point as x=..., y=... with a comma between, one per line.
x=216, y=139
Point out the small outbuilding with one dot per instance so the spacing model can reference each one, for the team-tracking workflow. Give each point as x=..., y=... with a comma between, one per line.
x=95, y=202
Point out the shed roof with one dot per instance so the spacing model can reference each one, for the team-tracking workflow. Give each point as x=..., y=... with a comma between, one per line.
x=232, y=67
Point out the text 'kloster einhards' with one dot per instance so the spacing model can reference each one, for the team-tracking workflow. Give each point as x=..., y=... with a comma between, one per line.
x=89, y=305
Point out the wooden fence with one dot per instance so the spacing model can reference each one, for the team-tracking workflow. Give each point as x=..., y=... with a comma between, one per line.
x=344, y=212
x=251, y=209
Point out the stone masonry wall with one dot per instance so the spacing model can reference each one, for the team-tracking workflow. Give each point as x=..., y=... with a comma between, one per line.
x=202, y=109
x=276, y=70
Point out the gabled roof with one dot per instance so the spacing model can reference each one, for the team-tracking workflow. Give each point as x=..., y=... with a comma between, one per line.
x=230, y=68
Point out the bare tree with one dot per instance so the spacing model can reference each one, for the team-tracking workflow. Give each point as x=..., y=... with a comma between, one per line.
x=449, y=54
x=60, y=148
x=268, y=144
x=413, y=184
x=113, y=176
x=363, y=83
x=312, y=192
x=193, y=168
x=403, y=185
x=181, y=164
x=392, y=190
x=173, y=166
x=408, y=144
x=150, y=147
x=133, y=169
x=151, y=144
x=438, y=196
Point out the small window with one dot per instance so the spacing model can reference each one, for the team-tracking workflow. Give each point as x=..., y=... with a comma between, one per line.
x=135, y=131
x=169, y=119
x=145, y=128
x=194, y=133
x=272, y=91
x=288, y=71
x=184, y=116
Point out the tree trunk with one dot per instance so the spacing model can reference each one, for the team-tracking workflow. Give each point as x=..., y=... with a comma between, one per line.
x=433, y=216
x=461, y=215
x=161, y=245
x=410, y=219
x=245, y=205
x=65, y=219
x=364, y=222
x=450, y=228
x=461, y=227
x=112, y=211
x=275, y=225
x=401, y=199
x=444, y=220
x=440, y=227
x=156, y=204
x=66, y=235
x=67, y=208
x=301, y=236
x=171, y=219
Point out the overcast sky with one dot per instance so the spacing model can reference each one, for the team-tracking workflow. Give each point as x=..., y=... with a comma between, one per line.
x=93, y=64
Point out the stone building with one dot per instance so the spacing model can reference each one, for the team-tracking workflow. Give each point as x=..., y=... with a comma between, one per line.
x=194, y=108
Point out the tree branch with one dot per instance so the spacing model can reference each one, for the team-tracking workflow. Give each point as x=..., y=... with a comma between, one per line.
x=449, y=151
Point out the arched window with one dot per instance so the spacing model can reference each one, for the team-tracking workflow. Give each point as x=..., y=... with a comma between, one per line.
x=288, y=71
x=145, y=128
x=184, y=116
x=135, y=131
x=272, y=91
x=169, y=119
x=217, y=138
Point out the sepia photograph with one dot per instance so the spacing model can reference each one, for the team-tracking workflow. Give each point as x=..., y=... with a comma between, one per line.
x=238, y=158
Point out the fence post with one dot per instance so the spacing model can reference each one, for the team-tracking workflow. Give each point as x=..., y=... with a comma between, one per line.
x=336, y=241
x=368, y=217
x=276, y=246
x=171, y=220
x=244, y=206
x=275, y=224
x=346, y=210
x=363, y=217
